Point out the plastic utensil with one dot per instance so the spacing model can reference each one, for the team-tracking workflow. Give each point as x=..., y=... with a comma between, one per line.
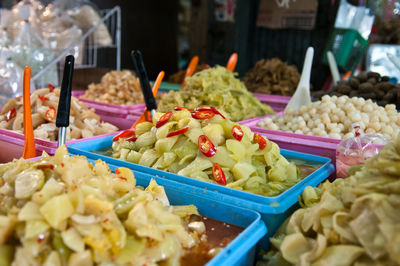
x=333, y=67
x=64, y=104
x=29, y=145
x=302, y=94
x=191, y=68
x=232, y=62
x=145, y=115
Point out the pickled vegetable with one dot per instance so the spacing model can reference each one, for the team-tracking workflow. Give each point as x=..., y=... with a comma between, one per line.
x=352, y=221
x=217, y=87
x=212, y=149
x=73, y=213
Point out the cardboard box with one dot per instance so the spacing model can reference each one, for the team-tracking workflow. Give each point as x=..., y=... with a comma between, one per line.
x=287, y=14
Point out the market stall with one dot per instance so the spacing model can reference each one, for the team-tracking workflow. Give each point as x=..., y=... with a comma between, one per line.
x=206, y=166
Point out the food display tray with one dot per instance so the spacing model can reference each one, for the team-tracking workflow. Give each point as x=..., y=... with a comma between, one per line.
x=274, y=210
x=12, y=143
x=242, y=250
x=277, y=102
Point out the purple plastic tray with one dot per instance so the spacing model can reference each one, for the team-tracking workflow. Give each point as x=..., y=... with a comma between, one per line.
x=296, y=142
x=13, y=142
x=277, y=102
x=121, y=109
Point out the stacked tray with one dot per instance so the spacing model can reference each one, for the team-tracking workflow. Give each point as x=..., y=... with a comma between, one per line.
x=274, y=210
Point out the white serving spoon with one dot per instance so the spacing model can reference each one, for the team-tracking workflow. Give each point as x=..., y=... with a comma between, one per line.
x=302, y=94
x=333, y=67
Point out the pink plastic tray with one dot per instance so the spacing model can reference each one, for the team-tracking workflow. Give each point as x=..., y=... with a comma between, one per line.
x=296, y=142
x=121, y=109
x=13, y=142
x=277, y=102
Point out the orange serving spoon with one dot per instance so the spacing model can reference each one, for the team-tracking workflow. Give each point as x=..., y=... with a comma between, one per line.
x=232, y=62
x=191, y=68
x=29, y=145
x=146, y=114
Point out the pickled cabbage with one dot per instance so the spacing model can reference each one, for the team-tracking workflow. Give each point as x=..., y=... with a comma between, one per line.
x=220, y=88
x=75, y=213
x=352, y=221
x=245, y=165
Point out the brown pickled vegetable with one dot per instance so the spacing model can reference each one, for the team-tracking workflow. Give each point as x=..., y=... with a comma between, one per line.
x=272, y=76
x=368, y=86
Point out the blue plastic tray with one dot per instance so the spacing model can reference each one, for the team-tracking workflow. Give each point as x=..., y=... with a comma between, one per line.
x=274, y=210
x=241, y=251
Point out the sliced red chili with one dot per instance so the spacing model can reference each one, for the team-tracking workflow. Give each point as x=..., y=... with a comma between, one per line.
x=134, y=138
x=43, y=98
x=51, y=87
x=45, y=166
x=178, y=108
x=124, y=134
x=206, y=66
x=206, y=146
x=203, y=114
x=11, y=114
x=217, y=112
x=203, y=108
x=177, y=132
x=51, y=113
x=262, y=143
x=218, y=174
x=163, y=119
x=237, y=132
x=210, y=108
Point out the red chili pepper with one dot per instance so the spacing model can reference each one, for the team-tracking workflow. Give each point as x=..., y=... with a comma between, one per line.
x=177, y=132
x=203, y=108
x=218, y=174
x=262, y=143
x=203, y=114
x=117, y=171
x=51, y=113
x=134, y=138
x=11, y=114
x=123, y=178
x=43, y=98
x=40, y=238
x=237, y=132
x=45, y=166
x=124, y=134
x=182, y=108
x=206, y=146
x=217, y=112
x=163, y=119
x=51, y=87
x=210, y=108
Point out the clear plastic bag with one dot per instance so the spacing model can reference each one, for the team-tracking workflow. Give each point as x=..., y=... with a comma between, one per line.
x=354, y=151
x=10, y=76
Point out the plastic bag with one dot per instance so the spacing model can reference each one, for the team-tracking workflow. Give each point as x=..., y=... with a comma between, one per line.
x=353, y=152
x=4, y=22
x=10, y=76
x=87, y=17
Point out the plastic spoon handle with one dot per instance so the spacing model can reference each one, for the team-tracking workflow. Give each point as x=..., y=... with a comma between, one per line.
x=302, y=94
x=64, y=103
x=156, y=85
x=191, y=68
x=232, y=62
x=333, y=67
x=29, y=145
x=149, y=99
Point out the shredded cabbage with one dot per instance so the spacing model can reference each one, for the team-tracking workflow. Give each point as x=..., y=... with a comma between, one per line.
x=217, y=87
x=75, y=213
x=352, y=221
